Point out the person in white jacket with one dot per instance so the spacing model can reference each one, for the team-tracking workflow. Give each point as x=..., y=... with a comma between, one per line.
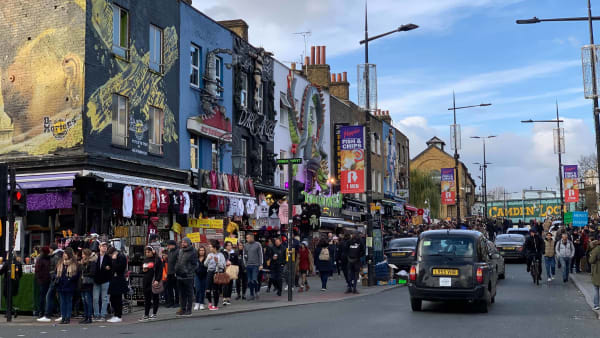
x=565, y=250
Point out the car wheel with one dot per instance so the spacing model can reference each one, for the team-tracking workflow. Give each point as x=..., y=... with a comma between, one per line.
x=416, y=304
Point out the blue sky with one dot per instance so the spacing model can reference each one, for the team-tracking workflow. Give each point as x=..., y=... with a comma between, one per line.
x=471, y=46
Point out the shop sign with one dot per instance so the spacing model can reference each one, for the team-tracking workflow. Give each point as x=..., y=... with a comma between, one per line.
x=194, y=237
x=205, y=223
x=570, y=183
x=352, y=160
x=448, y=186
x=232, y=240
x=333, y=201
x=257, y=125
x=528, y=211
x=403, y=193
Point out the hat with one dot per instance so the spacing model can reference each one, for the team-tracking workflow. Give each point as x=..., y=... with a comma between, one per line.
x=94, y=235
x=104, y=243
x=305, y=243
x=188, y=240
x=171, y=242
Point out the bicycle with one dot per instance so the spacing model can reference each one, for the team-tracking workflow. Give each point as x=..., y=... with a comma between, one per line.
x=536, y=272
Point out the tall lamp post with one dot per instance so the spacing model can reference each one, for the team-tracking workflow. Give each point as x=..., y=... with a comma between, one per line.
x=455, y=134
x=368, y=109
x=588, y=52
x=483, y=138
x=559, y=149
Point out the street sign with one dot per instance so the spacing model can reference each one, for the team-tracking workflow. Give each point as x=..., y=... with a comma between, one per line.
x=289, y=161
x=580, y=218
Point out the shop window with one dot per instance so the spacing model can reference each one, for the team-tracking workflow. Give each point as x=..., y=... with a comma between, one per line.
x=259, y=100
x=219, y=73
x=156, y=49
x=283, y=115
x=119, y=120
x=194, y=153
x=156, y=129
x=195, y=66
x=215, y=156
x=120, y=32
x=244, y=91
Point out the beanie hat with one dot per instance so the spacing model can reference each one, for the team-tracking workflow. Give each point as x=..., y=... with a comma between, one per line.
x=188, y=240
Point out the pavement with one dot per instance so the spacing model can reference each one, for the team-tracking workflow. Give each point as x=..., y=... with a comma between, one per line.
x=521, y=309
x=336, y=288
x=583, y=282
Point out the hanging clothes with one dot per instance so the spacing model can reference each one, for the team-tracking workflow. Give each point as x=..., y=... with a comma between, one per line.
x=127, y=201
x=154, y=198
x=138, y=201
x=147, y=199
x=187, y=204
x=163, y=206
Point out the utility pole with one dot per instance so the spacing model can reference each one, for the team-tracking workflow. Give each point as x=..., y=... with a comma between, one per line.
x=11, y=244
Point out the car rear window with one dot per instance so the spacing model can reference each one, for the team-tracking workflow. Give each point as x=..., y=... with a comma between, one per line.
x=404, y=242
x=519, y=232
x=510, y=238
x=446, y=246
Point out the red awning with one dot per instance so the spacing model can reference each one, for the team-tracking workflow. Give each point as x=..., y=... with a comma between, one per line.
x=410, y=207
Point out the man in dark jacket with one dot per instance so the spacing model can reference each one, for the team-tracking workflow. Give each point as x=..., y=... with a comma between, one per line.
x=172, y=296
x=42, y=278
x=55, y=257
x=534, y=247
x=102, y=279
x=355, y=250
x=185, y=269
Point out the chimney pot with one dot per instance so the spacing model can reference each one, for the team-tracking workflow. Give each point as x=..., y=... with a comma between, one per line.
x=306, y=60
x=332, y=77
x=293, y=66
x=339, y=77
x=323, y=55
x=312, y=55
x=345, y=76
x=318, y=55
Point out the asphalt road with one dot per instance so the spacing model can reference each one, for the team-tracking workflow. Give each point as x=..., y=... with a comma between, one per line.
x=521, y=309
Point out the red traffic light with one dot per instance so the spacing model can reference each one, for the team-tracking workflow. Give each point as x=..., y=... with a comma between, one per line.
x=18, y=195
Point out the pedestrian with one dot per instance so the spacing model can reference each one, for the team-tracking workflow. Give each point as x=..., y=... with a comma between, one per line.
x=155, y=244
x=215, y=263
x=253, y=258
x=355, y=250
x=172, y=296
x=305, y=266
x=275, y=273
x=323, y=258
x=152, y=269
x=67, y=273
x=200, y=279
x=579, y=251
x=549, y=260
x=241, y=284
x=88, y=272
x=232, y=258
x=101, y=282
x=185, y=271
x=343, y=256
x=55, y=257
x=42, y=278
x=595, y=267
x=118, y=285
x=565, y=250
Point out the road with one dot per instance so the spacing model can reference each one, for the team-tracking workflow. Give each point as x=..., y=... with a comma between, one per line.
x=521, y=309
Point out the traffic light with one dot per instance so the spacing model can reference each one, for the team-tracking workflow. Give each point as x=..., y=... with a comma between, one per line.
x=18, y=202
x=298, y=188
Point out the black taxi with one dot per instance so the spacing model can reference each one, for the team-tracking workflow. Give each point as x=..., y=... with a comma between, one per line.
x=453, y=265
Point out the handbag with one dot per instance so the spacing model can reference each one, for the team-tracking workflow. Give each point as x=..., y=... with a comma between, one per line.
x=232, y=271
x=158, y=289
x=221, y=278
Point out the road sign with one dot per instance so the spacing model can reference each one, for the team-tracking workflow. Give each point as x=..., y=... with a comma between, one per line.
x=289, y=161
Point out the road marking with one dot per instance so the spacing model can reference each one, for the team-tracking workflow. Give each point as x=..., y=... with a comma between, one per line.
x=43, y=332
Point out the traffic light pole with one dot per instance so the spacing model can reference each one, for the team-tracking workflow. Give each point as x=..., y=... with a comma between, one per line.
x=10, y=234
x=290, y=250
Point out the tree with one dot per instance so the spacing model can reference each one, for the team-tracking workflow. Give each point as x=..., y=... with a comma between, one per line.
x=587, y=165
x=424, y=187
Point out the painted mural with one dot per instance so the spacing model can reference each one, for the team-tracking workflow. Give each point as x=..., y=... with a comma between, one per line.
x=392, y=169
x=41, y=76
x=306, y=123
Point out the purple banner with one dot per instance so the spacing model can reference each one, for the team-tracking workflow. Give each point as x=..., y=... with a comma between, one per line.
x=570, y=171
x=447, y=174
x=351, y=137
x=51, y=200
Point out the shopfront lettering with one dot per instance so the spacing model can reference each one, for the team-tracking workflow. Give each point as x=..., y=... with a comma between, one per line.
x=334, y=201
x=529, y=211
x=257, y=125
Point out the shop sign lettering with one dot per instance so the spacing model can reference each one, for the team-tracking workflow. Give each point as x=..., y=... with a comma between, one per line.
x=334, y=201
x=257, y=125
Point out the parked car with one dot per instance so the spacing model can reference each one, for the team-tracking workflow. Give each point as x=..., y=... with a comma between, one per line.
x=453, y=265
x=510, y=246
x=401, y=252
x=497, y=260
x=518, y=231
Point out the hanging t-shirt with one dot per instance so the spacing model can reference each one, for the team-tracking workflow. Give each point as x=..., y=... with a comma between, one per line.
x=240, y=208
x=127, y=201
x=250, y=207
x=187, y=204
x=154, y=198
x=283, y=213
x=233, y=207
x=138, y=201
x=147, y=198
x=175, y=201
x=262, y=211
x=163, y=205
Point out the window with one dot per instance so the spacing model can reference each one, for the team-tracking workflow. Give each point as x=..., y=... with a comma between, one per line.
x=379, y=181
x=374, y=181
x=260, y=159
x=377, y=145
x=219, y=73
x=156, y=128
x=244, y=91
x=215, y=156
x=120, y=32
x=119, y=120
x=283, y=115
x=194, y=152
x=373, y=142
x=243, y=156
x=259, y=101
x=156, y=46
x=195, y=66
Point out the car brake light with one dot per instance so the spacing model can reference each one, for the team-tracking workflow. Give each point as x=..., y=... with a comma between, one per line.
x=413, y=273
x=520, y=248
x=479, y=275
x=413, y=253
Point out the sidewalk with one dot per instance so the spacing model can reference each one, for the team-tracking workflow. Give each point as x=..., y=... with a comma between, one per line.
x=583, y=281
x=335, y=292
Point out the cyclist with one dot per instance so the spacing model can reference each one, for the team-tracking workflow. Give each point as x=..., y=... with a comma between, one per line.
x=534, y=247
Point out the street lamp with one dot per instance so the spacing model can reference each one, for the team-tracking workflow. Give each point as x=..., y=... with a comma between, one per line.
x=559, y=149
x=591, y=50
x=369, y=187
x=455, y=134
x=485, y=163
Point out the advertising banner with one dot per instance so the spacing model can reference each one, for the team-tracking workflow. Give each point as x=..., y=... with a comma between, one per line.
x=570, y=183
x=353, y=160
x=580, y=218
x=448, y=186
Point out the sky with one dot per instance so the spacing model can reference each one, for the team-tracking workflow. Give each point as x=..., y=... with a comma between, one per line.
x=471, y=47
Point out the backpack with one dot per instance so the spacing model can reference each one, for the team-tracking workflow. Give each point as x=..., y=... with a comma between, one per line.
x=353, y=252
x=324, y=254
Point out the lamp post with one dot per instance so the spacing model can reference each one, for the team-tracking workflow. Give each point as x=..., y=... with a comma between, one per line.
x=560, y=148
x=369, y=192
x=592, y=56
x=483, y=138
x=455, y=131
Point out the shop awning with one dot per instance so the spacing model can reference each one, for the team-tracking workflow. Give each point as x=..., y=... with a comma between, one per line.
x=270, y=189
x=47, y=180
x=335, y=220
x=223, y=193
x=410, y=208
x=144, y=182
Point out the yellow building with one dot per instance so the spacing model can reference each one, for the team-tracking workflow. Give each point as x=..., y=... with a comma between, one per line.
x=432, y=160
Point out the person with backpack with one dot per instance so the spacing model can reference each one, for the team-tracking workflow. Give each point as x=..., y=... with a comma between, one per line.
x=355, y=250
x=323, y=257
x=565, y=250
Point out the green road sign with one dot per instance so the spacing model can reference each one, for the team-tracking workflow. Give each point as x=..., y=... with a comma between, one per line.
x=290, y=161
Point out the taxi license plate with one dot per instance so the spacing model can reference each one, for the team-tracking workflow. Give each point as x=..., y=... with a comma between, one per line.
x=398, y=254
x=508, y=248
x=445, y=281
x=445, y=272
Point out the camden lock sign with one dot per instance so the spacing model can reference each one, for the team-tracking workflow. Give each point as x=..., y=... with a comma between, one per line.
x=257, y=125
x=528, y=211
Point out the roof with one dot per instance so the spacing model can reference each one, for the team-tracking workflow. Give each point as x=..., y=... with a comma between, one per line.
x=435, y=139
x=453, y=232
x=431, y=146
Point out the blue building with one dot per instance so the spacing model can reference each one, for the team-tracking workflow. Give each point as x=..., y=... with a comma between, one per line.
x=206, y=92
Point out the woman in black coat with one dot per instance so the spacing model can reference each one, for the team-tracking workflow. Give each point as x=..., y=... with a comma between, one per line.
x=118, y=285
x=324, y=266
x=88, y=272
x=152, y=276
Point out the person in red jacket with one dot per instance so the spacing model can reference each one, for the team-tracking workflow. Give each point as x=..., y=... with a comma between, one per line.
x=305, y=265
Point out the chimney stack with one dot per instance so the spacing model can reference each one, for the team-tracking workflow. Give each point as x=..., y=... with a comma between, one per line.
x=239, y=26
x=340, y=87
x=312, y=55
x=318, y=55
x=317, y=71
x=323, y=55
